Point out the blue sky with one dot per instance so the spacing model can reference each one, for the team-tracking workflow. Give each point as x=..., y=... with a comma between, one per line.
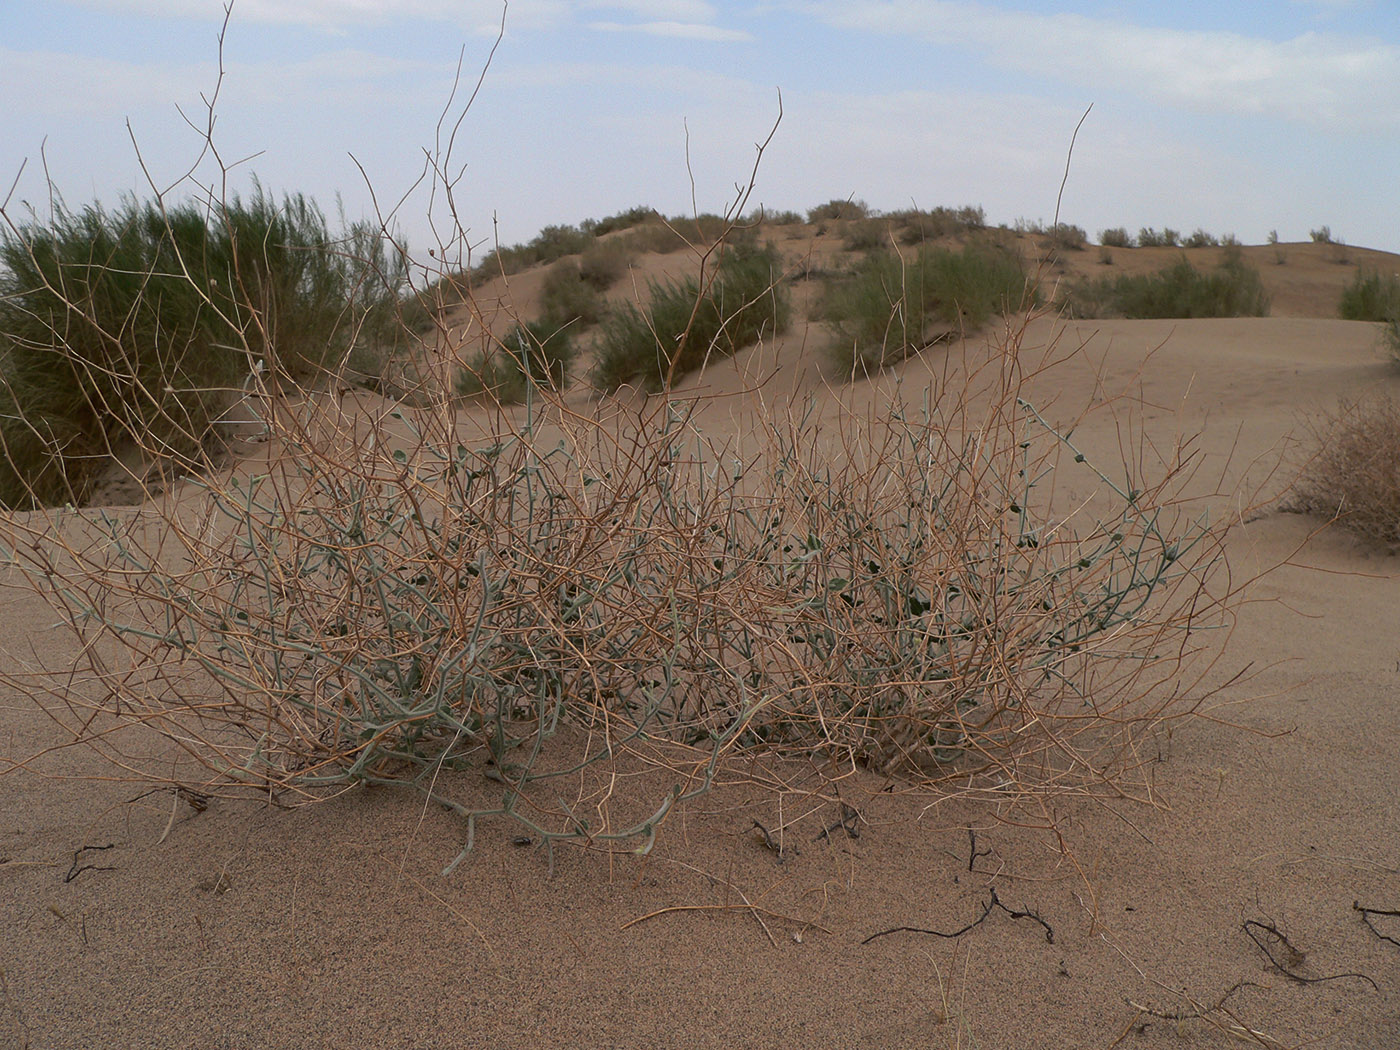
x=1236, y=117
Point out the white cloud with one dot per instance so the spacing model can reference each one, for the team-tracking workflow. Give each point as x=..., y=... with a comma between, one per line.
x=1317, y=79
x=477, y=15
x=660, y=10
x=683, y=30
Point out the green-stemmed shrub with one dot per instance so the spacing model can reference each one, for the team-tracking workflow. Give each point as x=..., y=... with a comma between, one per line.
x=139, y=324
x=623, y=220
x=604, y=262
x=837, y=210
x=536, y=354
x=1150, y=238
x=551, y=243
x=867, y=235
x=917, y=226
x=1064, y=236
x=566, y=297
x=685, y=324
x=1370, y=297
x=894, y=305
x=1233, y=289
x=782, y=218
x=1117, y=237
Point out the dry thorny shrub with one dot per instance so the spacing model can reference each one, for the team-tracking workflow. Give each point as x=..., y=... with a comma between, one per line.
x=410, y=596
x=1354, y=473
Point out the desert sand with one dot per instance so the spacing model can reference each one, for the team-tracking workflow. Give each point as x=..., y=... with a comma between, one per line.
x=140, y=922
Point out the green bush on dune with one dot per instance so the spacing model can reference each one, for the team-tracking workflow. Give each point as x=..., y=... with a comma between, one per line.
x=1233, y=289
x=894, y=305
x=535, y=355
x=566, y=297
x=683, y=326
x=136, y=325
x=1371, y=297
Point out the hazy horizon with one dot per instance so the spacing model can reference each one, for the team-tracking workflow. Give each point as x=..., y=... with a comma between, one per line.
x=1241, y=118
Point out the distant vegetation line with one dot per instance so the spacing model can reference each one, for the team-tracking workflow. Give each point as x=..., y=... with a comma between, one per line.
x=149, y=321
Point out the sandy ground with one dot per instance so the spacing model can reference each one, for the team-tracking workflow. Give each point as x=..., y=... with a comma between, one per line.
x=331, y=926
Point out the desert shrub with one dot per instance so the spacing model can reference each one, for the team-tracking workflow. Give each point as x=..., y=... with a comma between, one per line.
x=565, y=297
x=702, y=229
x=1066, y=237
x=971, y=216
x=1273, y=237
x=1322, y=235
x=551, y=243
x=1117, y=237
x=603, y=262
x=1150, y=238
x=1370, y=297
x=1229, y=240
x=782, y=218
x=892, y=306
x=1233, y=289
x=917, y=226
x=1354, y=472
x=687, y=322
x=510, y=629
x=1105, y=255
x=867, y=235
x=681, y=231
x=1199, y=238
x=139, y=324
x=530, y=356
x=555, y=242
x=623, y=220
x=505, y=260
x=838, y=210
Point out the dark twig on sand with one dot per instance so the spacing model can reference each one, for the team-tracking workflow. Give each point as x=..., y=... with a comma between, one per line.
x=1366, y=914
x=849, y=817
x=1293, y=957
x=972, y=851
x=78, y=867
x=993, y=902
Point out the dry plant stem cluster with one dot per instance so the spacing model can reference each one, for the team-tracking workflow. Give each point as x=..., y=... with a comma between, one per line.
x=1354, y=476
x=566, y=598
